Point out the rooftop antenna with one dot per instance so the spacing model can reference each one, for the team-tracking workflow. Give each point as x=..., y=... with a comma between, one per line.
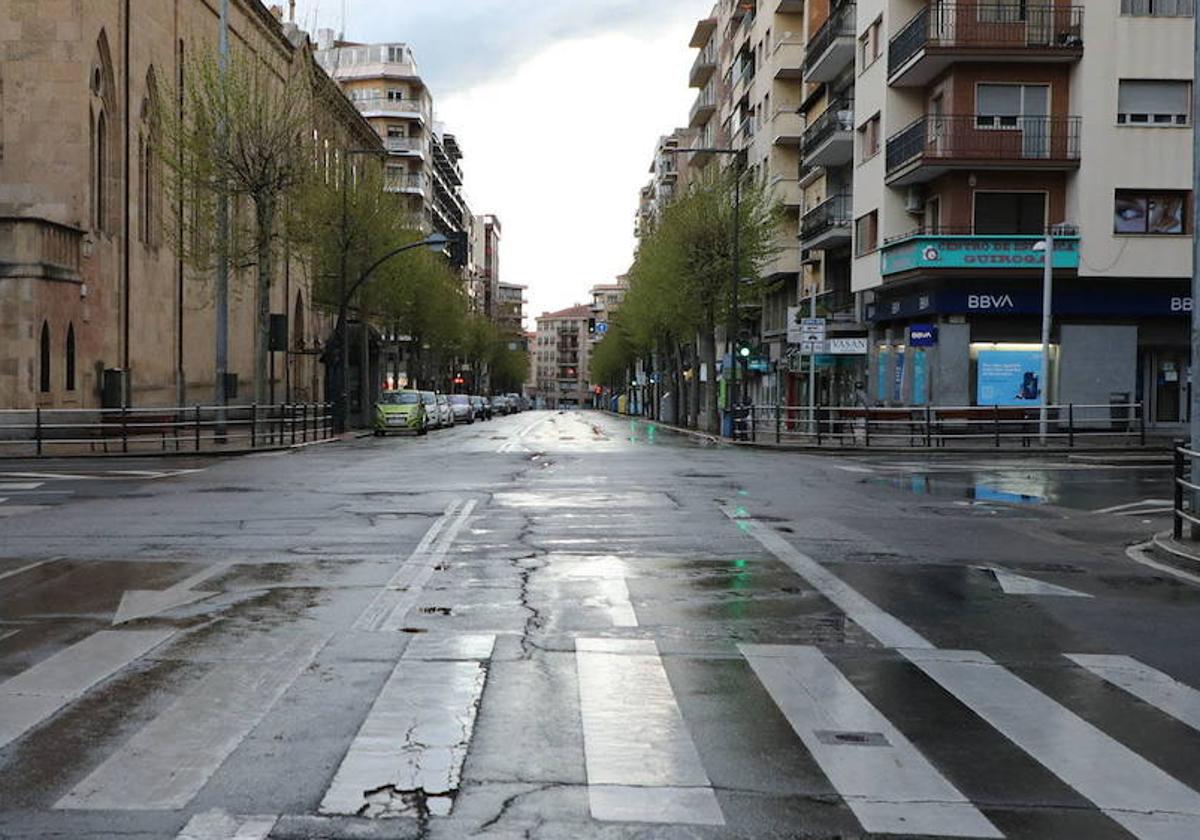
x=291, y=11
x=342, y=33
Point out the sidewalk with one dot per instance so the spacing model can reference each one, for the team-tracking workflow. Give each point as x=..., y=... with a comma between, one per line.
x=153, y=448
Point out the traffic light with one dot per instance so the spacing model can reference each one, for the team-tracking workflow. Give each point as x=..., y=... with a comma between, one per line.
x=744, y=348
x=591, y=326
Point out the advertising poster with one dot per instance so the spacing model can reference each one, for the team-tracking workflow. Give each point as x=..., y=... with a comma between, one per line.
x=920, y=379
x=1009, y=377
x=898, y=383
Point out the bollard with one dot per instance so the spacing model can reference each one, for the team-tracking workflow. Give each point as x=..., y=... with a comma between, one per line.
x=254, y=426
x=996, y=422
x=197, y=428
x=929, y=427
x=1177, y=514
x=124, y=428
x=1071, y=425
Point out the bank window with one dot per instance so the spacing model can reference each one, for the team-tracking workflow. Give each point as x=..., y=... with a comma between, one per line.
x=1151, y=213
x=1149, y=103
x=1158, y=8
x=868, y=139
x=866, y=233
x=1010, y=213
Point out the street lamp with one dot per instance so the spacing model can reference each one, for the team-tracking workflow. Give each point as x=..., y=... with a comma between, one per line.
x=1046, y=246
x=735, y=314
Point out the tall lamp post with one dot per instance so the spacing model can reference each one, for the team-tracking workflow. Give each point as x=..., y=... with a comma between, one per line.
x=1194, y=391
x=1046, y=246
x=735, y=315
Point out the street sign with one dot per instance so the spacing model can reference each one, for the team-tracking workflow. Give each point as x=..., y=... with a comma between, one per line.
x=812, y=335
x=601, y=328
x=793, y=325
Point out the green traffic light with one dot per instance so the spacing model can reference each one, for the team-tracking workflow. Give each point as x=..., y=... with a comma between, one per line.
x=744, y=352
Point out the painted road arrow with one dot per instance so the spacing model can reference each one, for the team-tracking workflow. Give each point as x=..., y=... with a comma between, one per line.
x=1014, y=584
x=144, y=603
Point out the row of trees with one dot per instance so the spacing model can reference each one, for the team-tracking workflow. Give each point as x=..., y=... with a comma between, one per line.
x=680, y=290
x=256, y=176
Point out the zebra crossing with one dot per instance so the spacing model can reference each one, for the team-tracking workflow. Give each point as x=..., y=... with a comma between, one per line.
x=639, y=736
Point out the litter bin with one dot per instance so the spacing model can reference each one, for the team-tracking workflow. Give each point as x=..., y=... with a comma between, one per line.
x=1120, y=412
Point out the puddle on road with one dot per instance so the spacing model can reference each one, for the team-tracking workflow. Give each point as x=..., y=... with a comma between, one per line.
x=1013, y=491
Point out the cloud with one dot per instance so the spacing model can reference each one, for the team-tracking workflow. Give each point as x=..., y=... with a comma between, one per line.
x=461, y=42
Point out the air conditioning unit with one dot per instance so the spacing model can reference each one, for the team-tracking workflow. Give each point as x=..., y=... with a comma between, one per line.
x=914, y=200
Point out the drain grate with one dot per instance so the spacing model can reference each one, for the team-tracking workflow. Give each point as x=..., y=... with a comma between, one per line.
x=836, y=738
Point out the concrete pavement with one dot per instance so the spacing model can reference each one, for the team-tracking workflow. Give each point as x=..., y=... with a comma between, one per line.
x=573, y=626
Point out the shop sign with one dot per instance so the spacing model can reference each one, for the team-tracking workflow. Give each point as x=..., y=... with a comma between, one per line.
x=976, y=252
x=847, y=346
x=923, y=335
x=985, y=301
x=1009, y=377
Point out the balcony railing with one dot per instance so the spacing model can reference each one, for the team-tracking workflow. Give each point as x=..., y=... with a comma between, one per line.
x=393, y=106
x=705, y=65
x=404, y=144
x=986, y=26
x=977, y=139
x=406, y=182
x=705, y=104
x=831, y=214
x=839, y=25
x=838, y=116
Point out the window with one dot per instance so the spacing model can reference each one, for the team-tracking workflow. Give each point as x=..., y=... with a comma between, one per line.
x=100, y=172
x=396, y=131
x=1010, y=106
x=1160, y=212
x=866, y=233
x=868, y=139
x=870, y=45
x=1006, y=213
x=70, y=358
x=1143, y=102
x=44, y=360
x=1003, y=11
x=1158, y=8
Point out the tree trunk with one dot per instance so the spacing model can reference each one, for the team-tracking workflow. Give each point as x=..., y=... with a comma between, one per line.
x=677, y=415
x=694, y=394
x=708, y=351
x=265, y=217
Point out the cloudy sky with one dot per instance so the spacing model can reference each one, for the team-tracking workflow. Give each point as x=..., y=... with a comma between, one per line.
x=557, y=106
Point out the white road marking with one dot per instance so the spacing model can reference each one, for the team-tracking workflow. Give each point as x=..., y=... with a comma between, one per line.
x=853, y=469
x=414, y=739
x=217, y=825
x=13, y=487
x=885, y=781
x=169, y=760
x=138, y=603
x=1163, y=692
x=1139, y=554
x=1146, y=511
x=642, y=765
x=609, y=576
x=1145, y=800
x=29, y=568
x=1138, y=504
x=383, y=603
x=36, y=694
x=882, y=625
x=9, y=511
x=6, y=634
x=1014, y=584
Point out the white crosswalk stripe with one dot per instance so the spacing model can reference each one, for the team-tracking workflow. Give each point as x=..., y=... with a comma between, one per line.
x=642, y=765
x=1166, y=694
x=217, y=825
x=884, y=779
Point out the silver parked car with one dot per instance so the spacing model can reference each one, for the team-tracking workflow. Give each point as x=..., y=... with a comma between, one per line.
x=432, y=409
x=445, y=411
x=464, y=412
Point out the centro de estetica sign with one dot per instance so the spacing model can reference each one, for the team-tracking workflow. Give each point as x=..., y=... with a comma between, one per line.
x=961, y=252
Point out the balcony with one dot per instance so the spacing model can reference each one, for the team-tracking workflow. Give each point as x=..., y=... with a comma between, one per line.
x=704, y=106
x=964, y=250
x=745, y=130
x=41, y=249
x=381, y=106
x=829, y=140
x=704, y=66
x=831, y=49
x=787, y=127
x=743, y=75
x=934, y=145
x=789, y=7
x=405, y=145
x=787, y=192
x=942, y=34
x=412, y=183
x=827, y=225
x=788, y=58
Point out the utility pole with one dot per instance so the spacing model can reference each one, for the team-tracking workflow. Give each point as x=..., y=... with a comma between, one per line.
x=1194, y=398
x=222, y=279
x=1047, y=318
x=812, y=369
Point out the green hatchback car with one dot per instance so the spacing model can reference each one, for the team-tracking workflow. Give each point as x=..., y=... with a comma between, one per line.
x=399, y=412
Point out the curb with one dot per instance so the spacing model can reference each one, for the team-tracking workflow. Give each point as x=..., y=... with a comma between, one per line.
x=1176, y=551
x=203, y=453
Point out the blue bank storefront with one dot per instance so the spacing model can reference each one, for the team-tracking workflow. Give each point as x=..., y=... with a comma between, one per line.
x=958, y=323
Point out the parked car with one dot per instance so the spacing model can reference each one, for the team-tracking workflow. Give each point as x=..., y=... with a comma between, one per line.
x=499, y=405
x=514, y=403
x=483, y=409
x=400, y=412
x=432, y=411
x=460, y=405
x=445, y=411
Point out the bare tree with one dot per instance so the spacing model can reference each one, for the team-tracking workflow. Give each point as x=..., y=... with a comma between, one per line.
x=245, y=134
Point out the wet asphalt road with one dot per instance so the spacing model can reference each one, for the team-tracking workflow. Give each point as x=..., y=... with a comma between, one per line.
x=573, y=626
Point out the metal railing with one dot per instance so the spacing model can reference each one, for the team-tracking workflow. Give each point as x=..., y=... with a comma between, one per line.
x=833, y=212
x=62, y=431
x=1182, y=509
x=840, y=24
x=987, y=25
x=933, y=427
x=402, y=181
x=970, y=138
x=838, y=116
x=404, y=144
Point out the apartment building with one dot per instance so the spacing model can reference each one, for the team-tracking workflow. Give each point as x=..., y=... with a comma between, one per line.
x=423, y=164
x=510, y=310
x=606, y=300
x=561, y=355
x=485, y=259
x=95, y=305
x=977, y=130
